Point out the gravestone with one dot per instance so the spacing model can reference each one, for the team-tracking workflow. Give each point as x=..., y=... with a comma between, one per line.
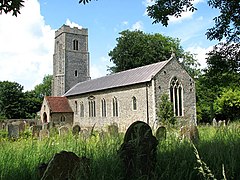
x=138, y=151
x=13, y=131
x=161, y=133
x=66, y=165
x=46, y=126
x=113, y=129
x=76, y=130
x=44, y=133
x=214, y=122
x=85, y=133
x=63, y=130
x=36, y=130
x=190, y=133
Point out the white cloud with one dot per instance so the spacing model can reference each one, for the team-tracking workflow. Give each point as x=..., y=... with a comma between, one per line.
x=200, y=54
x=26, y=46
x=137, y=26
x=72, y=24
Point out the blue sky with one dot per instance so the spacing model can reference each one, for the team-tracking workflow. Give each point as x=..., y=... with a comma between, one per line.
x=27, y=42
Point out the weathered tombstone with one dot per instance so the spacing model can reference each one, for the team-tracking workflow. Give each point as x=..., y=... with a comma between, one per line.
x=13, y=131
x=113, y=129
x=221, y=123
x=138, y=151
x=161, y=133
x=20, y=124
x=36, y=130
x=190, y=133
x=76, y=130
x=66, y=165
x=44, y=133
x=46, y=126
x=85, y=133
x=63, y=130
x=214, y=122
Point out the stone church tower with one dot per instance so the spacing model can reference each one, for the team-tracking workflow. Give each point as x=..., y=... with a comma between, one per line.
x=70, y=59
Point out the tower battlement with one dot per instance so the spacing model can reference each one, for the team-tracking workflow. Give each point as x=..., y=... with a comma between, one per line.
x=68, y=29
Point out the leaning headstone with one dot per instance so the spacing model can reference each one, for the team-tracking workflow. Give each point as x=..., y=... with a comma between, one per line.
x=76, y=130
x=13, y=131
x=138, y=151
x=161, y=133
x=214, y=122
x=43, y=134
x=63, y=130
x=66, y=165
x=113, y=129
x=36, y=130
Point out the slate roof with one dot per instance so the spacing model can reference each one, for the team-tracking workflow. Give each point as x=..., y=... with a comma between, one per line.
x=124, y=78
x=58, y=104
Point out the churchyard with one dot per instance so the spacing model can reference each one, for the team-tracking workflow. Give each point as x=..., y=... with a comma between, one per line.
x=203, y=152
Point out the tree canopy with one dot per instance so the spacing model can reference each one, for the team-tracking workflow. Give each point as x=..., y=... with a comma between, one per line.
x=226, y=24
x=136, y=48
x=13, y=6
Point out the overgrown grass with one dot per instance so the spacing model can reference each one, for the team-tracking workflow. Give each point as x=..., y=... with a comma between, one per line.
x=218, y=148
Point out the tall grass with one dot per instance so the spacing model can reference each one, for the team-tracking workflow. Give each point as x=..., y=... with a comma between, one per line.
x=217, y=148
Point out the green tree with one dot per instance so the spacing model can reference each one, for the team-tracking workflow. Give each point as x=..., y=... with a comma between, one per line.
x=44, y=88
x=226, y=24
x=11, y=100
x=228, y=104
x=13, y=6
x=165, y=111
x=136, y=48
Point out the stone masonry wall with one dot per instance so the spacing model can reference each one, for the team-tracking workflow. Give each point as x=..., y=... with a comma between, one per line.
x=125, y=107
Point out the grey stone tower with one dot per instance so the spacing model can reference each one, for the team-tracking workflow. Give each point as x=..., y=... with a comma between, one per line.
x=70, y=59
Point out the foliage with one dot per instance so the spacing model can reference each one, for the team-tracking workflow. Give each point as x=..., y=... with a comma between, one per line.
x=226, y=24
x=11, y=100
x=165, y=111
x=136, y=48
x=7, y=6
x=228, y=104
x=44, y=88
x=32, y=104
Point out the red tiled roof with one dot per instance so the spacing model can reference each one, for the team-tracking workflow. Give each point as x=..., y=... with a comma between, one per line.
x=58, y=104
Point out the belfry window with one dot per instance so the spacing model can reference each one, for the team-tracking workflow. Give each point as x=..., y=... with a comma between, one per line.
x=75, y=44
x=134, y=103
x=104, y=112
x=115, y=107
x=176, y=96
x=76, y=73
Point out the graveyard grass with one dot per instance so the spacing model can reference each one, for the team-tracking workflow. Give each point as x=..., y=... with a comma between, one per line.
x=215, y=156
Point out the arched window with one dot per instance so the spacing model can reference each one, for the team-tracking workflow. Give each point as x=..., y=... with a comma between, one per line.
x=75, y=44
x=115, y=107
x=134, y=103
x=104, y=110
x=92, y=106
x=81, y=109
x=76, y=107
x=62, y=118
x=176, y=96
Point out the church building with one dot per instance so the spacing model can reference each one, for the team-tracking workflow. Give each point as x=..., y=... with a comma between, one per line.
x=119, y=98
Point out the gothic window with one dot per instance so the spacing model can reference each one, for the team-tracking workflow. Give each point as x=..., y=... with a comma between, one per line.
x=75, y=44
x=134, y=103
x=76, y=107
x=62, y=118
x=176, y=96
x=104, y=110
x=81, y=109
x=115, y=107
x=92, y=106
